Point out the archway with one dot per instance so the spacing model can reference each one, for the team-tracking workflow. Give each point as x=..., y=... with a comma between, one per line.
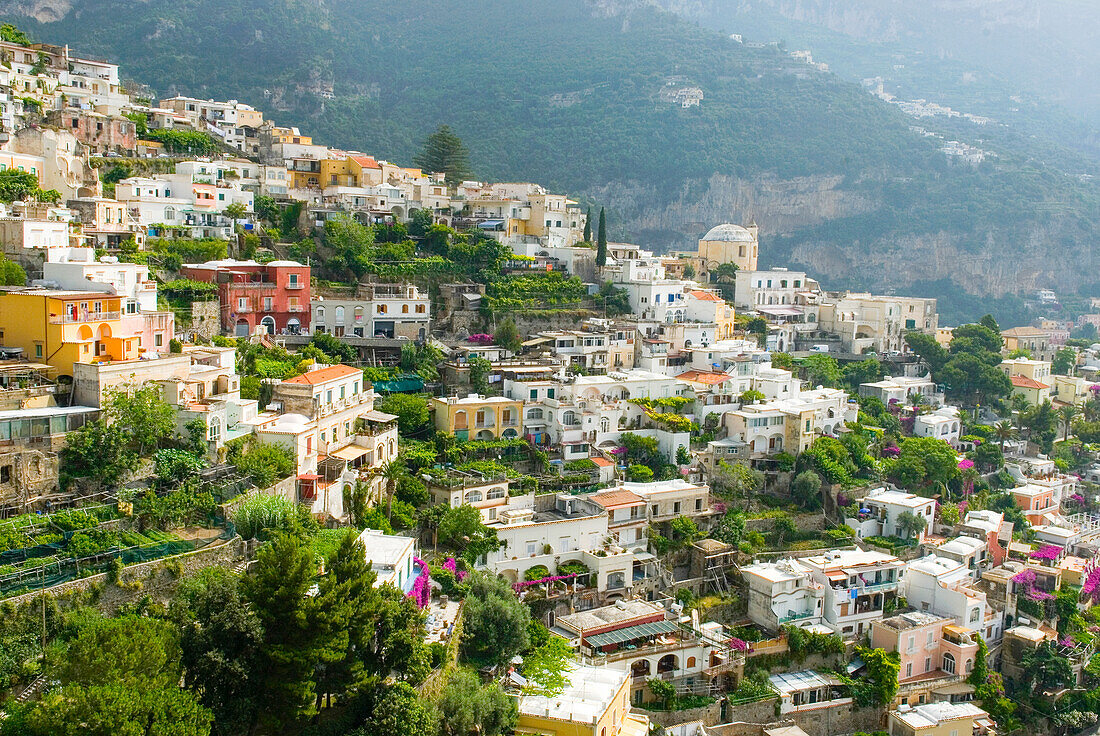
x=640, y=668
x=268, y=323
x=484, y=435
x=241, y=329
x=667, y=663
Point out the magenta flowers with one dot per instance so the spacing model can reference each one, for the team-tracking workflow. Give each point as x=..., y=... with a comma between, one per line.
x=422, y=587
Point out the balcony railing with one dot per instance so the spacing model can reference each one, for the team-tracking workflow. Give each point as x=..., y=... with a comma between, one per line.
x=253, y=285
x=295, y=286
x=295, y=308
x=68, y=319
x=796, y=616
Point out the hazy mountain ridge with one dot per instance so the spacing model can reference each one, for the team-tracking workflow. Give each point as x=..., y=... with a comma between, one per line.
x=569, y=96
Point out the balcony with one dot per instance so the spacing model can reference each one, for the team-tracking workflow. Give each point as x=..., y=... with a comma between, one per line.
x=295, y=308
x=295, y=287
x=69, y=319
x=796, y=616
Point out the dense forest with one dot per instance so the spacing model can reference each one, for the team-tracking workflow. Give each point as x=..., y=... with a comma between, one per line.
x=570, y=94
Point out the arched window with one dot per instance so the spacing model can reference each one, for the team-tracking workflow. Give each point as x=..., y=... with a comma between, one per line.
x=691, y=662
x=169, y=214
x=391, y=448
x=404, y=309
x=605, y=424
x=949, y=663
x=319, y=314
x=568, y=418
x=473, y=496
x=339, y=315
x=969, y=666
x=460, y=420
x=534, y=414
x=494, y=493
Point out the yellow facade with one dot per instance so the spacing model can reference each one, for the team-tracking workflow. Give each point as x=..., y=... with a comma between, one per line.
x=60, y=328
x=478, y=417
x=336, y=173
x=616, y=719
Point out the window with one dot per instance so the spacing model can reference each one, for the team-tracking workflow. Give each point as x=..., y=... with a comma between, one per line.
x=5, y=474
x=420, y=309
x=381, y=309
x=654, y=510
x=927, y=664
x=269, y=303
x=404, y=309
x=534, y=394
x=676, y=507
x=158, y=339
x=698, y=504
x=908, y=669
x=38, y=350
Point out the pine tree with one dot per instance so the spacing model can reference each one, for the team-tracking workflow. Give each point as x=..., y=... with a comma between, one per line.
x=276, y=589
x=588, y=226
x=445, y=152
x=601, y=240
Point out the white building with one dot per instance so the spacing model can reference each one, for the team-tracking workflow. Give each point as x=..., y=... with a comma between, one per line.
x=78, y=269
x=900, y=389
x=791, y=424
x=382, y=310
x=771, y=288
x=187, y=202
x=883, y=512
x=946, y=587
x=391, y=558
x=856, y=584
x=783, y=592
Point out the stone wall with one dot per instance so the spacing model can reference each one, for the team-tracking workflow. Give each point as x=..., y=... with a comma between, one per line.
x=708, y=715
x=157, y=578
x=753, y=718
x=206, y=319
x=842, y=719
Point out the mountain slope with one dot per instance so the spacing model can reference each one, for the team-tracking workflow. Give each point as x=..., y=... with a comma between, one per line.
x=568, y=94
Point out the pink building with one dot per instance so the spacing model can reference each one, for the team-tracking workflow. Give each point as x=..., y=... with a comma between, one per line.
x=1035, y=501
x=930, y=646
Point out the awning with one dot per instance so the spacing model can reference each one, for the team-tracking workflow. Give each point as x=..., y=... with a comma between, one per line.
x=350, y=453
x=378, y=416
x=487, y=224
x=780, y=311
x=630, y=633
x=536, y=341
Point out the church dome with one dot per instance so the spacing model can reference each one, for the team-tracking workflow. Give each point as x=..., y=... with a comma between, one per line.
x=728, y=233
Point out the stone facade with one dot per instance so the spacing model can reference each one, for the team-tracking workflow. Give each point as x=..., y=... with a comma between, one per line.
x=205, y=319
x=26, y=473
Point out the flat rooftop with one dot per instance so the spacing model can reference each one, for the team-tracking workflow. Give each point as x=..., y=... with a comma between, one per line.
x=585, y=699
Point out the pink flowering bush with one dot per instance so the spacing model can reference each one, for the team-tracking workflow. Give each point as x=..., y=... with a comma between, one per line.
x=1024, y=578
x=1048, y=553
x=739, y=645
x=1091, y=587
x=966, y=464
x=480, y=338
x=891, y=451
x=422, y=588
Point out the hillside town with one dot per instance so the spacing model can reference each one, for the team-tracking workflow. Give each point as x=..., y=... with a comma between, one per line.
x=296, y=439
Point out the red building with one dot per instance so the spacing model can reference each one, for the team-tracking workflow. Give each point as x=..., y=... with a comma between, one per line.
x=273, y=295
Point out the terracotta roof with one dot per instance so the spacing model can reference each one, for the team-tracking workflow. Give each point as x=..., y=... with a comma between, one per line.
x=618, y=499
x=707, y=296
x=1024, y=332
x=603, y=462
x=710, y=379
x=367, y=162
x=324, y=375
x=1025, y=382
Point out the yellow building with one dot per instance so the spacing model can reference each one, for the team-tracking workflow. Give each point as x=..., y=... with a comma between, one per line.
x=290, y=135
x=725, y=244
x=477, y=417
x=60, y=328
x=336, y=172
x=939, y=719
x=596, y=702
x=365, y=170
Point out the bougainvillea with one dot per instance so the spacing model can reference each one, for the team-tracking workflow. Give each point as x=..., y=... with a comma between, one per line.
x=1048, y=552
x=966, y=464
x=480, y=338
x=739, y=645
x=452, y=567
x=1091, y=588
x=422, y=588
x=891, y=451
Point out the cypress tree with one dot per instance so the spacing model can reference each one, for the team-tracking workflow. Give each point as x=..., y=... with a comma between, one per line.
x=588, y=226
x=601, y=240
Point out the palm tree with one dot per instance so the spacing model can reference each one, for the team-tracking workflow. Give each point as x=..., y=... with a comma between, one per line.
x=911, y=524
x=1091, y=410
x=917, y=400
x=392, y=473
x=1004, y=431
x=1067, y=414
x=1019, y=406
